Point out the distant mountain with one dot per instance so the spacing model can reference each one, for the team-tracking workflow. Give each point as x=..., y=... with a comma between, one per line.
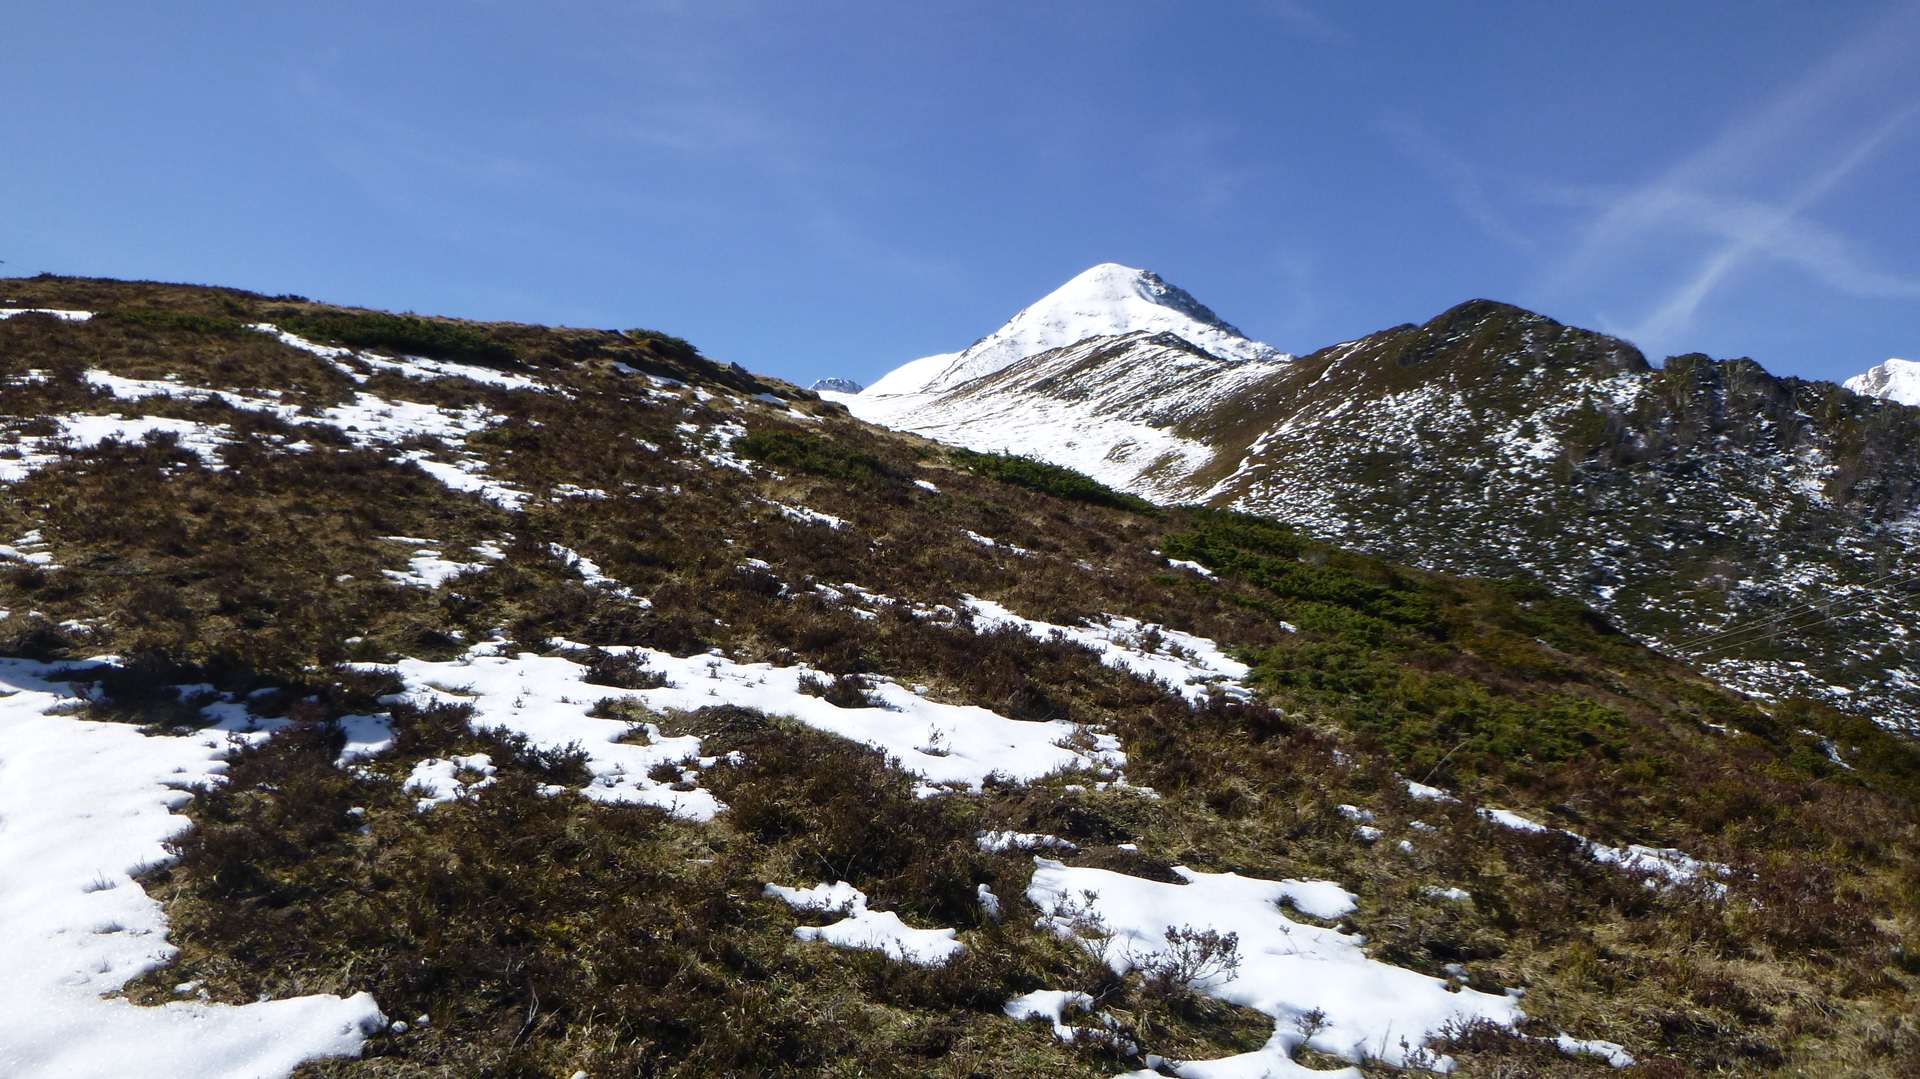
x=1705, y=497
x=835, y=385
x=1105, y=300
x=1895, y=380
x=1110, y=406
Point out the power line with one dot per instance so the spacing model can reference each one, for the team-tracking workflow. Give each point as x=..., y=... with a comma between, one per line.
x=1839, y=609
x=1792, y=612
x=1847, y=604
x=1758, y=632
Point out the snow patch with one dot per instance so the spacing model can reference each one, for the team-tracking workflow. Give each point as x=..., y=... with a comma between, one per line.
x=1193, y=665
x=1286, y=968
x=862, y=928
x=85, y=806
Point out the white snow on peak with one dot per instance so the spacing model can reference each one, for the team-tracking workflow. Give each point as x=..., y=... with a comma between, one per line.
x=1895, y=380
x=909, y=377
x=1103, y=301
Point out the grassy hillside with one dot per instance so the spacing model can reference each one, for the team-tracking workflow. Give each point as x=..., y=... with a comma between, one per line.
x=637, y=495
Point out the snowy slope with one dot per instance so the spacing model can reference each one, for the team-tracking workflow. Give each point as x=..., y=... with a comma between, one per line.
x=1105, y=406
x=912, y=376
x=1896, y=380
x=1102, y=301
x=1090, y=376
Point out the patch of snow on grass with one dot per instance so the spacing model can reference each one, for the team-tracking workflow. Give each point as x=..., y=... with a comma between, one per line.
x=1286, y=969
x=836, y=898
x=59, y=313
x=871, y=930
x=547, y=699
x=1613, y=1053
x=590, y=572
x=989, y=541
x=1193, y=665
x=426, y=569
x=85, y=432
x=421, y=369
x=809, y=517
x=294, y=340
x=85, y=806
x=135, y=389
x=29, y=549
x=442, y=779
x=469, y=474
x=1675, y=866
x=995, y=842
x=1051, y=1005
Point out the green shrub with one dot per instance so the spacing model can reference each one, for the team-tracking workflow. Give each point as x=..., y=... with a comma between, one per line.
x=665, y=344
x=174, y=320
x=400, y=333
x=810, y=453
x=1048, y=479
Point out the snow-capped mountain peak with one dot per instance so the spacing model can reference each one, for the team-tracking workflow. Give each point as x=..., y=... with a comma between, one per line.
x=1895, y=380
x=836, y=385
x=1102, y=301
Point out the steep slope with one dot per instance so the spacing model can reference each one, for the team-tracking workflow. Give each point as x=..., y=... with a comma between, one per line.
x=1107, y=406
x=1101, y=301
x=1895, y=380
x=1763, y=526
x=912, y=376
x=482, y=698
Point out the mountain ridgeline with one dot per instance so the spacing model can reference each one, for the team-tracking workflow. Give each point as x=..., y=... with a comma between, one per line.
x=1761, y=526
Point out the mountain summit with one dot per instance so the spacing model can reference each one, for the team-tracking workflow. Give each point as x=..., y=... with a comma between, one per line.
x=1896, y=380
x=1102, y=301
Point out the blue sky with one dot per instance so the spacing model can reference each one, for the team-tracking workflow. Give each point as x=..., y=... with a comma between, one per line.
x=834, y=188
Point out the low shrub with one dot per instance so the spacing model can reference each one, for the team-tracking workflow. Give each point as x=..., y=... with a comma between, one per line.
x=1048, y=479
x=406, y=334
x=812, y=454
x=189, y=321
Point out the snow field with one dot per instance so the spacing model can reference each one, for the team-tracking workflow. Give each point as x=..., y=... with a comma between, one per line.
x=84, y=806
x=1287, y=969
x=547, y=698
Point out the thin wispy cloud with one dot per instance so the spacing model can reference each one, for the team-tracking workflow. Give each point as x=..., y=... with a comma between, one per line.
x=1199, y=167
x=1820, y=252
x=1464, y=184
x=1305, y=21
x=1696, y=194
x=1761, y=234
